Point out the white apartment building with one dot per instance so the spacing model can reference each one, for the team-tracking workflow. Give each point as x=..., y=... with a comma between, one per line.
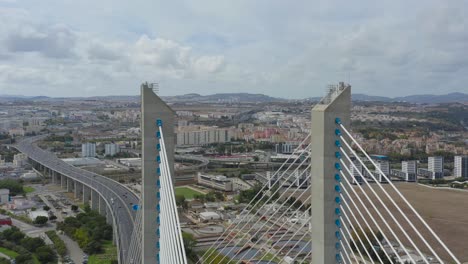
x=409, y=169
x=461, y=166
x=356, y=172
x=201, y=135
x=111, y=149
x=384, y=166
x=88, y=150
x=436, y=166
x=409, y=166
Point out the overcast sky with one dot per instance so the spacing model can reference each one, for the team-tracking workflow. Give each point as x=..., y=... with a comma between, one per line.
x=290, y=49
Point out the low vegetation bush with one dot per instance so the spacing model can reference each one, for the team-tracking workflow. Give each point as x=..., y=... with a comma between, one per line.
x=59, y=245
x=89, y=229
x=28, y=248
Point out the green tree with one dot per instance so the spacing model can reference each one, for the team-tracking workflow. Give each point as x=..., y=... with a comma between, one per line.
x=45, y=254
x=46, y=208
x=13, y=234
x=189, y=244
x=15, y=187
x=180, y=201
x=41, y=220
x=31, y=243
x=74, y=208
x=81, y=237
x=93, y=247
x=24, y=259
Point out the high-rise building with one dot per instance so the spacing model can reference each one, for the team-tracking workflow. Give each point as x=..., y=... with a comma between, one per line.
x=356, y=170
x=111, y=149
x=384, y=166
x=88, y=150
x=409, y=168
x=436, y=166
x=461, y=166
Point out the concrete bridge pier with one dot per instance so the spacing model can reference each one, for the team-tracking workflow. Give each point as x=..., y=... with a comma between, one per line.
x=69, y=185
x=94, y=200
x=108, y=216
x=86, y=194
x=57, y=178
x=78, y=190
x=102, y=206
x=63, y=181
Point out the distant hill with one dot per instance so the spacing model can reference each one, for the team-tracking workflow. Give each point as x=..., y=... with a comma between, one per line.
x=427, y=98
x=420, y=99
x=365, y=97
x=224, y=97
x=252, y=98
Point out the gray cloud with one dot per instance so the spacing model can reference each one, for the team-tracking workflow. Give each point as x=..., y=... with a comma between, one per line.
x=266, y=46
x=55, y=42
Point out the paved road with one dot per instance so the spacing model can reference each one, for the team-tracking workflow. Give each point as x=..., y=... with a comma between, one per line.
x=117, y=196
x=75, y=252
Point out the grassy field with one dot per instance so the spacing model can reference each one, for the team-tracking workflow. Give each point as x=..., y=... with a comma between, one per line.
x=28, y=189
x=10, y=253
x=110, y=253
x=186, y=192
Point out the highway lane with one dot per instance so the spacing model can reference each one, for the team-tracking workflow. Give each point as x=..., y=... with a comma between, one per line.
x=118, y=197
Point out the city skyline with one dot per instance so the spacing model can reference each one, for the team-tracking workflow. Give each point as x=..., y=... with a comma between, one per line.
x=291, y=51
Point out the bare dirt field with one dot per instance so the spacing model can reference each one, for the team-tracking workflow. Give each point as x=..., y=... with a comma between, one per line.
x=446, y=212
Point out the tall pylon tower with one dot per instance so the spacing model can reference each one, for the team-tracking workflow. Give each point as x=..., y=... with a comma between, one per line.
x=152, y=110
x=332, y=110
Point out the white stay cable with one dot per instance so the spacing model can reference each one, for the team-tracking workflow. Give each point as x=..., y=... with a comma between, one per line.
x=168, y=220
x=135, y=244
x=348, y=246
x=370, y=215
x=362, y=229
x=346, y=252
x=274, y=234
x=179, y=243
x=365, y=221
x=394, y=204
x=269, y=199
x=406, y=202
x=375, y=208
x=390, y=214
x=351, y=238
x=165, y=249
x=307, y=256
x=165, y=219
x=355, y=230
x=282, y=215
x=261, y=192
x=289, y=240
x=266, y=211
